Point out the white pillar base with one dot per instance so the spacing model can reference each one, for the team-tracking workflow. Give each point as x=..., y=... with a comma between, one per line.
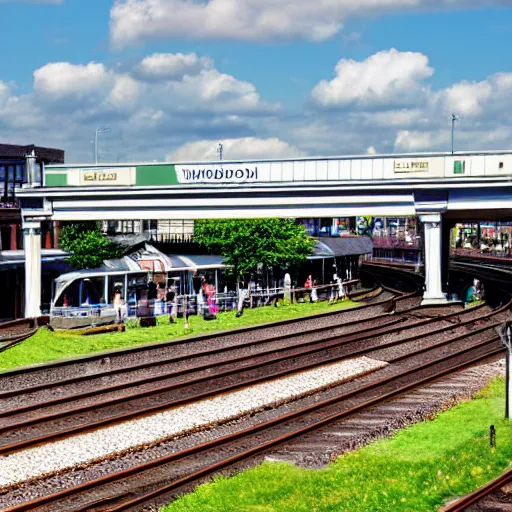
x=433, y=289
x=434, y=301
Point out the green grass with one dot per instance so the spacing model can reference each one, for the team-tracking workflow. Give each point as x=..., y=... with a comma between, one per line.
x=48, y=346
x=416, y=470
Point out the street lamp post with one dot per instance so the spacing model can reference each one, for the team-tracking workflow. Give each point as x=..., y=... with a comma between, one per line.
x=98, y=130
x=454, y=118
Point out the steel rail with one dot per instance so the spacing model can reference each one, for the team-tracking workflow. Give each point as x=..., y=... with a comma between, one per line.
x=112, y=478
x=470, y=499
x=176, y=359
x=325, y=343
x=212, y=392
x=176, y=373
x=179, y=402
x=188, y=340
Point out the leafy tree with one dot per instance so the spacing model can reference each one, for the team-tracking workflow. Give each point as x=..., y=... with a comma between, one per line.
x=87, y=245
x=245, y=243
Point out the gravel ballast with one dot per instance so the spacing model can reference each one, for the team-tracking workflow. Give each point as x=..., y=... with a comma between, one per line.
x=78, y=450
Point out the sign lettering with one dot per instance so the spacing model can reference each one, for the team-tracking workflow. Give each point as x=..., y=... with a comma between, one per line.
x=217, y=175
x=100, y=176
x=411, y=166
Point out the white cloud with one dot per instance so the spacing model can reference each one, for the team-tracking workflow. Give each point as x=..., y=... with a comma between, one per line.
x=248, y=148
x=171, y=66
x=387, y=101
x=253, y=20
x=190, y=99
x=388, y=77
x=64, y=80
x=187, y=103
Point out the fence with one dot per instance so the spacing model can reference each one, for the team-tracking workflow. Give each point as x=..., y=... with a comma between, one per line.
x=198, y=305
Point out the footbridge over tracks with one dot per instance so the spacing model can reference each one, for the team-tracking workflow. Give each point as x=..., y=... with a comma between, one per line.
x=440, y=188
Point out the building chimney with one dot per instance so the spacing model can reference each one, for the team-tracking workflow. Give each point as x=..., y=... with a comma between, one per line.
x=33, y=176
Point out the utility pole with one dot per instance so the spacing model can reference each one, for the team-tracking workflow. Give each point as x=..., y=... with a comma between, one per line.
x=506, y=339
x=454, y=118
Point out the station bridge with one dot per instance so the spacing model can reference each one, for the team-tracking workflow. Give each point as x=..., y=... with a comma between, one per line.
x=439, y=188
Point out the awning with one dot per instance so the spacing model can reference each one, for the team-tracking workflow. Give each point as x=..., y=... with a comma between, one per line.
x=331, y=247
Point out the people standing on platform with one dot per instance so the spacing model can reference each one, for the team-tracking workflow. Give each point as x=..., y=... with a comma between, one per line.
x=308, y=285
x=169, y=299
x=118, y=303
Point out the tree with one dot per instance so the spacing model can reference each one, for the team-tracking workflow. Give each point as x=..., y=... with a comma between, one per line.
x=245, y=243
x=87, y=245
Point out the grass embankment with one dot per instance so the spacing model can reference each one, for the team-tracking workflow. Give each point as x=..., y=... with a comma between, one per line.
x=48, y=346
x=416, y=470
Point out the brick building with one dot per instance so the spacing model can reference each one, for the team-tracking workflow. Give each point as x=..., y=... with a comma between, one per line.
x=13, y=175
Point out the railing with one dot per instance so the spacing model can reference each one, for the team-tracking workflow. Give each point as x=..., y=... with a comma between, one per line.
x=9, y=205
x=198, y=305
x=479, y=253
x=395, y=243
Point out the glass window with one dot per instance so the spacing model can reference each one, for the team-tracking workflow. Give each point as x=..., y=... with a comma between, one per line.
x=2, y=172
x=93, y=291
x=70, y=296
x=19, y=172
x=10, y=172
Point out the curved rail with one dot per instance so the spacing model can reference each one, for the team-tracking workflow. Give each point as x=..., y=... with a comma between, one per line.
x=300, y=350
x=388, y=387
x=470, y=499
x=187, y=340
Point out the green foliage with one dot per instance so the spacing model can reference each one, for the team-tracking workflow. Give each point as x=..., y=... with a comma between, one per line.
x=49, y=346
x=245, y=243
x=88, y=245
x=417, y=470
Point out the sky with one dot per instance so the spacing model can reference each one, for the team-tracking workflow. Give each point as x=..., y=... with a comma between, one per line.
x=267, y=78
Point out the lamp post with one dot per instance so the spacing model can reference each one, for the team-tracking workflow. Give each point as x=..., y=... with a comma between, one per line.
x=98, y=130
x=454, y=118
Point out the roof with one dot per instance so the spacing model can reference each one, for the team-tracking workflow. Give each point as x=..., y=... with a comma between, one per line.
x=49, y=155
x=295, y=159
x=330, y=247
x=197, y=261
x=130, y=240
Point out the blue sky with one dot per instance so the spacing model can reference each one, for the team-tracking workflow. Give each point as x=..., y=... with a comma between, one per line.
x=257, y=66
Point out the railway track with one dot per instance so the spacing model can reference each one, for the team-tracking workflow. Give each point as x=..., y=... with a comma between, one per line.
x=161, y=479
x=16, y=331
x=24, y=376
x=42, y=417
x=488, y=498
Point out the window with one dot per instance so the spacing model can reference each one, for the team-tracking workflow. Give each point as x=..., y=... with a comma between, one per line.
x=459, y=167
x=501, y=165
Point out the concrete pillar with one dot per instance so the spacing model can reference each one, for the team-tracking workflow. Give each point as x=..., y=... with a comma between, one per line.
x=433, y=267
x=14, y=237
x=32, y=246
x=56, y=233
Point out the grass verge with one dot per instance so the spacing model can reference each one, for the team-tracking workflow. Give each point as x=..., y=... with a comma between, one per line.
x=416, y=470
x=49, y=346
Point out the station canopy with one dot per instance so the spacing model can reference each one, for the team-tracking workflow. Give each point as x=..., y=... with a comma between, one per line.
x=335, y=247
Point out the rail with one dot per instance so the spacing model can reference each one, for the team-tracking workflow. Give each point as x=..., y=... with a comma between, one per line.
x=366, y=396
x=470, y=499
